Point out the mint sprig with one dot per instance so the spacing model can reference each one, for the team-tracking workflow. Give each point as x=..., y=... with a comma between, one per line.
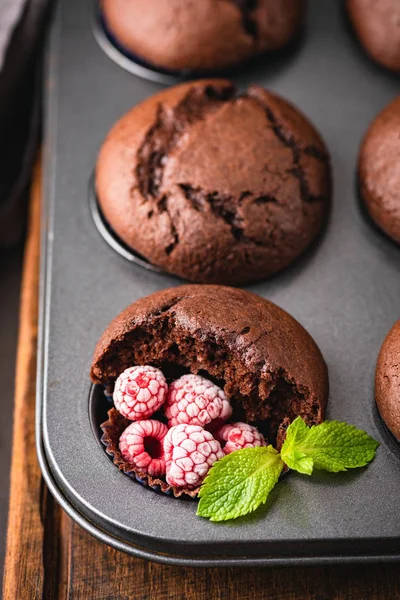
x=240, y=482
x=332, y=446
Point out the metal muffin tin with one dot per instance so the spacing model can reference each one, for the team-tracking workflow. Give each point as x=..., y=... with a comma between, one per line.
x=345, y=292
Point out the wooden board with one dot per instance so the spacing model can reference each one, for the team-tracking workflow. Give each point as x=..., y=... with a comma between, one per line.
x=49, y=557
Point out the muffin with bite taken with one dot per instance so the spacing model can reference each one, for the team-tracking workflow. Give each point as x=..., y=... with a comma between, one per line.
x=197, y=372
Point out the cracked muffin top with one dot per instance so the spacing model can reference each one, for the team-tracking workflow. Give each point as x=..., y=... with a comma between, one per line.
x=213, y=186
x=204, y=35
x=266, y=362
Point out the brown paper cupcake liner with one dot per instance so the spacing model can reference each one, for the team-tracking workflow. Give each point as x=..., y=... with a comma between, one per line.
x=112, y=430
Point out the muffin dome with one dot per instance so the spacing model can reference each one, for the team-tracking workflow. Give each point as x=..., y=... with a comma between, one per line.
x=376, y=23
x=387, y=380
x=207, y=35
x=379, y=170
x=215, y=187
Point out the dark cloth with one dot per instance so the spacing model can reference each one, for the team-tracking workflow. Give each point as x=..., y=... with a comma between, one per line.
x=21, y=34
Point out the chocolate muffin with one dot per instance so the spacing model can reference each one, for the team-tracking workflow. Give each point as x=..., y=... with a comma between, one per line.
x=267, y=364
x=377, y=25
x=204, y=36
x=387, y=380
x=379, y=170
x=215, y=187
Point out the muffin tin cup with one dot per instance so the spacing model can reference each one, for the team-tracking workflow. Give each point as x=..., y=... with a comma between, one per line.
x=345, y=294
x=111, y=238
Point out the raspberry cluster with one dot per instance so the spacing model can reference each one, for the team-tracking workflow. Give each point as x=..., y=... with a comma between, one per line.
x=197, y=434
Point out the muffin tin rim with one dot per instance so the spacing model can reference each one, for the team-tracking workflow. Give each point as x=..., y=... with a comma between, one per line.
x=137, y=551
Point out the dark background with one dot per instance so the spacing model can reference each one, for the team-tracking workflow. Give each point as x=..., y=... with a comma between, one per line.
x=10, y=274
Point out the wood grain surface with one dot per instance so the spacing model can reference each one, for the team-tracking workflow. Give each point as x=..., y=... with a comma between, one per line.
x=49, y=557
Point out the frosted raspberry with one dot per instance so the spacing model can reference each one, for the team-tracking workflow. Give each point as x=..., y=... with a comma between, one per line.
x=194, y=400
x=142, y=445
x=235, y=436
x=190, y=451
x=139, y=392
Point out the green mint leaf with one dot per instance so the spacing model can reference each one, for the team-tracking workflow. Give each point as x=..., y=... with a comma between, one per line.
x=332, y=446
x=291, y=452
x=238, y=483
